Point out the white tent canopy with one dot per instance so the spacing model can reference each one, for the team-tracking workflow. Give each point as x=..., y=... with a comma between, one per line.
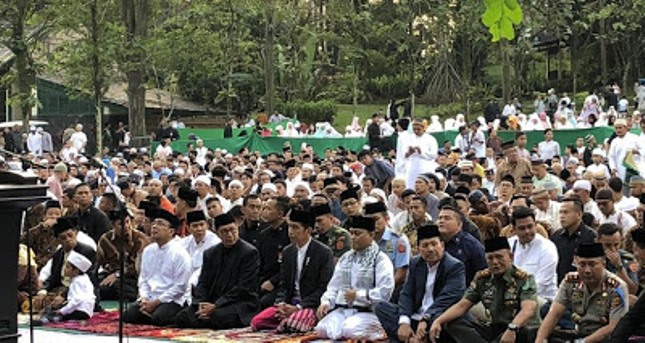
x=19, y=123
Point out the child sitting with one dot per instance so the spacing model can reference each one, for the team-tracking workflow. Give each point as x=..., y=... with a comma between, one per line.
x=80, y=294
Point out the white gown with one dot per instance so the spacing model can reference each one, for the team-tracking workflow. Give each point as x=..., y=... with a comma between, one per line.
x=418, y=163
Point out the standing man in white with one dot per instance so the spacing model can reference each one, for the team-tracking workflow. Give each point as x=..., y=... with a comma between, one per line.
x=624, y=142
x=419, y=152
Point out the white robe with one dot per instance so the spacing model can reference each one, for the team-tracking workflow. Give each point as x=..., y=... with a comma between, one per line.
x=617, y=151
x=196, y=252
x=418, y=163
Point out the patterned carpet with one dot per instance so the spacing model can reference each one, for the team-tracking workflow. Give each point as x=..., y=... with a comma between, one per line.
x=106, y=323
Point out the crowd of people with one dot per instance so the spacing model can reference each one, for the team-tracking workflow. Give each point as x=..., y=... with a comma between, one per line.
x=477, y=240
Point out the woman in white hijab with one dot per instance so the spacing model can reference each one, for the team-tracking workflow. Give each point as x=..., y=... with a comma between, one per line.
x=435, y=125
x=459, y=121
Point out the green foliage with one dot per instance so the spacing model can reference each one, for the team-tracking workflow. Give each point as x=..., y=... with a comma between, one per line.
x=310, y=111
x=500, y=18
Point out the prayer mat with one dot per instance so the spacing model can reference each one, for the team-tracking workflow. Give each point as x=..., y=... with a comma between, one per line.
x=246, y=335
x=107, y=323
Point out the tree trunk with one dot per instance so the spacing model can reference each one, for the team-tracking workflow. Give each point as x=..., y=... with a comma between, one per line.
x=269, y=64
x=506, y=70
x=97, y=75
x=25, y=77
x=573, y=51
x=135, y=16
x=603, y=48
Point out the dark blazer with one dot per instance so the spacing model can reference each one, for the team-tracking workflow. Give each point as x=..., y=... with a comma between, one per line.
x=58, y=263
x=230, y=278
x=449, y=286
x=631, y=323
x=317, y=270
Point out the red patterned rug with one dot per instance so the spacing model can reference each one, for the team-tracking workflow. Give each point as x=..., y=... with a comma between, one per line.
x=108, y=323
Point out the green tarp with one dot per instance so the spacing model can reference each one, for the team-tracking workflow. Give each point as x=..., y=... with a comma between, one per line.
x=213, y=139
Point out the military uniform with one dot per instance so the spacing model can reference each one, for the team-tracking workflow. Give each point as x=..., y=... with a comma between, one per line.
x=592, y=310
x=396, y=247
x=337, y=239
x=410, y=230
x=42, y=241
x=502, y=298
x=628, y=262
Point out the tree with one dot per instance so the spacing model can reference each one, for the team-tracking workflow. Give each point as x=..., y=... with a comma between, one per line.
x=21, y=30
x=135, y=18
x=500, y=18
x=87, y=57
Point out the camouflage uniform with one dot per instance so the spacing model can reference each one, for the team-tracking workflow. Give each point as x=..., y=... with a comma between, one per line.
x=593, y=310
x=410, y=230
x=337, y=239
x=502, y=298
x=628, y=262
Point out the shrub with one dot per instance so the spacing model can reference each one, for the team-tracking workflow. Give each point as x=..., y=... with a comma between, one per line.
x=310, y=112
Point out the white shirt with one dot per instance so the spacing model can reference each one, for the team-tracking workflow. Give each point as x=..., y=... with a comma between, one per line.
x=80, y=296
x=547, y=150
x=551, y=215
x=509, y=109
x=617, y=151
x=622, y=219
x=381, y=291
x=422, y=161
x=196, y=252
x=626, y=204
x=478, y=143
x=79, y=139
x=539, y=258
x=591, y=207
x=300, y=261
x=35, y=143
x=165, y=272
x=200, y=156
x=428, y=296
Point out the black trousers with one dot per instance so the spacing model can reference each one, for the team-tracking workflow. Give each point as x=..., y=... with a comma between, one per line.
x=76, y=315
x=267, y=299
x=221, y=318
x=164, y=315
x=464, y=330
x=130, y=289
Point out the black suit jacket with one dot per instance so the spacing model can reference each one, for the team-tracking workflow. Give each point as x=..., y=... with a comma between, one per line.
x=58, y=263
x=317, y=270
x=449, y=287
x=230, y=278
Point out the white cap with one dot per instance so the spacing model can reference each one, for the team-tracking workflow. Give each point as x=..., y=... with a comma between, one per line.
x=79, y=261
x=32, y=128
x=582, y=184
x=236, y=183
x=228, y=155
x=268, y=172
x=179, y=172
x=239, y=170
x=203, y=179
x=308, y=166
x=269, y=187
x=573, y=160
x=598, y=152
x=465, y=163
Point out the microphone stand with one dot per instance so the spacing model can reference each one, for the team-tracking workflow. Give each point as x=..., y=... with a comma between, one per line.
x=123, y=213
x=29, y=281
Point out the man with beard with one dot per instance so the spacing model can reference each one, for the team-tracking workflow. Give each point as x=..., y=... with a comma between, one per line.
x=306, y=269
x=251, y=227
x=271, y=241
x=226, y=293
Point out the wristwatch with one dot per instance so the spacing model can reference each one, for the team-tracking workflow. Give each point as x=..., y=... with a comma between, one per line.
x=513, y=327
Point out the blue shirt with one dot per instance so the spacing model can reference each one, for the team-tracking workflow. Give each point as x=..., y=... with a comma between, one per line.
x=469, y=251
x=396, y=247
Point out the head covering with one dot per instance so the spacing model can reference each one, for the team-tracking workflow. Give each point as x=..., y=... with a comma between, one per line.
x=589, y=138
x=60, y=167
x=508, y=178
x=604, y=194
x=203, y=179
x=223, y=219
x=360, y=222
x=636, y=180
x=598, y=151
x=582, y=184
x=348, y=194
x=620, y=121
x=195, y=216
x=269, y=187
x=590, y=250
x=56, y=204
x=63, y=224
x=497, y=243
x=526, y=179
x=540, y=194
x=332, y=181
x=165, y=215
x=537, y=162
x=376, y=207
x=79, y=261
x=427, y=231
x=320, y=210
x=303, y=217
x=187, y=194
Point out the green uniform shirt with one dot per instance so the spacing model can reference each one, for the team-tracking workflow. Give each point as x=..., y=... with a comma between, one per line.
x=337, y=239
x=502, y=295
x=593, y=309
